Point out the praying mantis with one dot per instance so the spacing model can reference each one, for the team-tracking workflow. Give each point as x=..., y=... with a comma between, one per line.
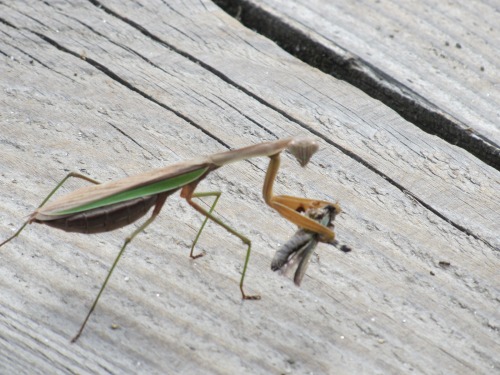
x=103, y=207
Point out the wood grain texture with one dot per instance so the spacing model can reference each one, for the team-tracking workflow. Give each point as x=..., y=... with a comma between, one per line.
x=435, y=64
x=113, y=89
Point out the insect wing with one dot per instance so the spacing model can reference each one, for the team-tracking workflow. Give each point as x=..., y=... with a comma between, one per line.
x=299, y=249
x=160, y=180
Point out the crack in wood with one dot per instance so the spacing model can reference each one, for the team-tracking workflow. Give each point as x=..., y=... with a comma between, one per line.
x=342, y=65
x=128, y=85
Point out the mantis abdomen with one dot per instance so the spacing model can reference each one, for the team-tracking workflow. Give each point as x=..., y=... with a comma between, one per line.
x=103, y=219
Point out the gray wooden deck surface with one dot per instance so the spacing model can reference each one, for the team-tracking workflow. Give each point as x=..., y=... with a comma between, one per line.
x=434, y=63
x=113, y=88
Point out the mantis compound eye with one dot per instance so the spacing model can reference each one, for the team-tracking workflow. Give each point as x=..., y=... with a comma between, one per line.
x=303, y=148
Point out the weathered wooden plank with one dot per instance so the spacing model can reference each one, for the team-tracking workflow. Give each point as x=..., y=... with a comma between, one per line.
x=379, y=139
x=85, y=90
x=435, y=64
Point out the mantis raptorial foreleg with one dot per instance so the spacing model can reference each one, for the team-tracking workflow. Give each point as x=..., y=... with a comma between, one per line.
x=71, y=174
x=188, y=193
x=158, y=206
x=289, y=206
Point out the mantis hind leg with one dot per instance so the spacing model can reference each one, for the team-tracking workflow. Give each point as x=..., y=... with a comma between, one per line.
x=187, y=193
x=71, y=174
x=159, y=204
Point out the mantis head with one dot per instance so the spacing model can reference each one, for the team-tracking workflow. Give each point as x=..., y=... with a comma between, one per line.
x=303, y=148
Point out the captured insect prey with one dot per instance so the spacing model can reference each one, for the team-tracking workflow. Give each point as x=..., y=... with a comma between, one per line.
x=299, y=249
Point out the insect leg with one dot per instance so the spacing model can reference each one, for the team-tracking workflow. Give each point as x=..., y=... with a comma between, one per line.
x=159, y=204
x=188, y=193
x=215, y=194
x=288, y=206
x=71, y=174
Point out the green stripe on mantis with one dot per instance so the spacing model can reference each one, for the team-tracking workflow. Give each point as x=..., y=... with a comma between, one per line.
x=142, y=191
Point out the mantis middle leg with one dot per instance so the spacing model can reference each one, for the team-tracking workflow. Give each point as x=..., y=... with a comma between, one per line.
x=188, y=193
x=215, y=194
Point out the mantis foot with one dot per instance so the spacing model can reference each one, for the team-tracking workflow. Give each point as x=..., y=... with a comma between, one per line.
x=254, y=298
x=197, y=255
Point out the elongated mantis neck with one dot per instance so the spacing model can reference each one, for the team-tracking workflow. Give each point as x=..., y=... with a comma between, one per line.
x=262, y=149
x=272, y=171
